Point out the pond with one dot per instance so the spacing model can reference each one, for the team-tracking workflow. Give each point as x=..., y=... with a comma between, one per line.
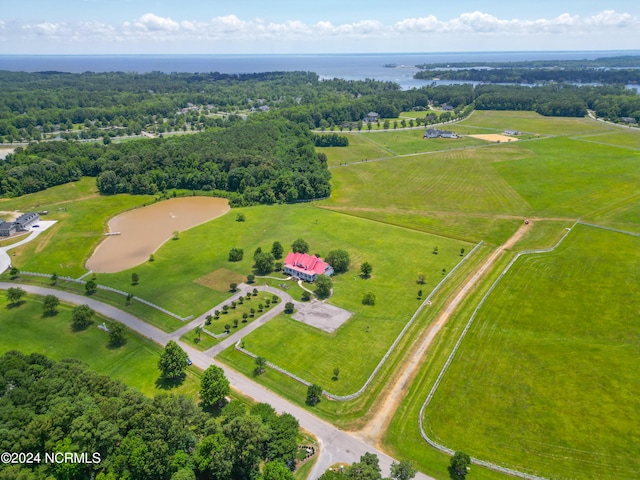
x=136, y=234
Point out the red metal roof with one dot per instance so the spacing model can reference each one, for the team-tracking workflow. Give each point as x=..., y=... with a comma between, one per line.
x=305, y=263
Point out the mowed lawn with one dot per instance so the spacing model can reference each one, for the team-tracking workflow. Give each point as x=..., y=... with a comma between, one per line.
x=135, y=363
x=533, y=123
x=547, y=378
x=170, y=280
x=565, y=177
x=455, y=181
x=397, y=256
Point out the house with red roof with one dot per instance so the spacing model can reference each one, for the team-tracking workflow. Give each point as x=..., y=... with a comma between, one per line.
x=306, y=267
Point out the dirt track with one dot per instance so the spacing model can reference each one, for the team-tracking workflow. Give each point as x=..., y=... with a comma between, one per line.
x=386, y=407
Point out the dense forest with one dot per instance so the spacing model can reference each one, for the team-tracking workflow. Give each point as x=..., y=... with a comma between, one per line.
x=250, y=135
x=253, y=161
x=623, y=61
x=536, y=75
x=48, y=406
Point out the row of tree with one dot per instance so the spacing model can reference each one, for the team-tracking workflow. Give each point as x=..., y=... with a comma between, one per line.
x=537, y=75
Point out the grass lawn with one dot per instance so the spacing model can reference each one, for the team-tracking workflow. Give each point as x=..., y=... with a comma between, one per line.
x=403, y=142
x=555, y=350
x=461, y=180
x=217, y=327
x=532, y=123
x=618, y=137
x=565, y=177
x=360, y=148
x=135, y=363
x=149, y=314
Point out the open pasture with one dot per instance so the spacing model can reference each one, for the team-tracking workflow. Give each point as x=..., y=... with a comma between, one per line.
x=493, y=230
x=397, y=256
x=406, y=142
x=171, y=280
x=359, y=149
x=456, y=181
x=554, y=350
x=619, y=137
x=533, y=123
x=135, y=363
x=565, y=177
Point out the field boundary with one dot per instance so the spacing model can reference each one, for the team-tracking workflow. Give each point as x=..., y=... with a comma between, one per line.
x=451, y=356
x=351, y=396
x=110, y=289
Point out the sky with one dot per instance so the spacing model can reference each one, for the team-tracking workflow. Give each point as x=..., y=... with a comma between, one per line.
x=324, y=26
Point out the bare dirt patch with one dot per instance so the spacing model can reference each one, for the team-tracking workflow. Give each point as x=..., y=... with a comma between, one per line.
x=138, y=233
x=494, y=137
x=321, y=315
x=4, y=151
x=389, y=400
x=220, y=279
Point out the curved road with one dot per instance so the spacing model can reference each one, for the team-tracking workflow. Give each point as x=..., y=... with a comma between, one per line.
x=335, y=445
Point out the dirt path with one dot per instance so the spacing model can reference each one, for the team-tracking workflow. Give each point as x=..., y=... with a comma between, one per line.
x=386, y=407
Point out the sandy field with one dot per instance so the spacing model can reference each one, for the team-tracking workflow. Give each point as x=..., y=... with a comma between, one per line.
x=4, y=151
x=494, y=137
x=144, y=230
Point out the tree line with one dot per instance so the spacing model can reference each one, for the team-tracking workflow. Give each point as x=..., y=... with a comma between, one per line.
x=254, y=161
x=49, y=406
x=535, y=75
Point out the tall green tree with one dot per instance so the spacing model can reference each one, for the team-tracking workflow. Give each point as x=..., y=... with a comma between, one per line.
x=323, y=286
x=264, y=263
x=81, y=317
x=15, y=294
x=459, y=466
x=339, y=260
x=214, y=387
x=366, y=269
x=277, y=471
x=173, y=361
x=117, y=336
x=403, y=470
x=50, y=304
x=277, y=250
x=314, y=394
x=300, y=246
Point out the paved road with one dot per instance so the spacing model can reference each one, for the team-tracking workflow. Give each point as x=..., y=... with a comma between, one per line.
x=335, y=445
x=5, y=259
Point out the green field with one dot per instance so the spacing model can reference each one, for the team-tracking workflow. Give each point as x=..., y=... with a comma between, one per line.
x=135, y=363
x=555, y=349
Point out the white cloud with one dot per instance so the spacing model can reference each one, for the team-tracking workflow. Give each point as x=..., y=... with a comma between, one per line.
x=230, y=28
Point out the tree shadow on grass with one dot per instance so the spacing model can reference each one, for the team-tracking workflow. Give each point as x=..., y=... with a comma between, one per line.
x=49, y=314
x=15, y=304
x=169, y=383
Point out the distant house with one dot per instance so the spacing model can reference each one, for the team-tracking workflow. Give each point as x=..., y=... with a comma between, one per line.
x=306, y=267
x=25, y=220
x=435, y=133
x=446, y=108
x=22, y=223
x=629, y=120
x=511, y=132
x=372, y=117
x=7, y=228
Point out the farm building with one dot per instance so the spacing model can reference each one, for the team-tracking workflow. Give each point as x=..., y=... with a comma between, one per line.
x=306, y=267
x=22, y=223
x=629, y=120
x=434, y=133
x=511, y=132
x=371, y=117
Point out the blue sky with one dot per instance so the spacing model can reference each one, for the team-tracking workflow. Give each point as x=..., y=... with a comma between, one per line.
x=325, y=26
